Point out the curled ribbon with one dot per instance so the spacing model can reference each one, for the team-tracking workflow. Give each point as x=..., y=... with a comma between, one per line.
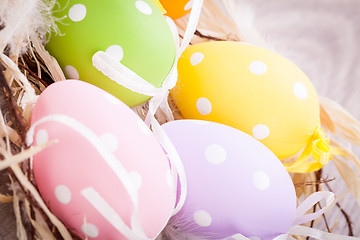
x=301, y=217
x=318, y=147
x=317, y=234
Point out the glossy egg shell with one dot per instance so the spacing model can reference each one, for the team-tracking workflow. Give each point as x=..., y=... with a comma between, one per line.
x=132, y=31
x=250, y=88
x=68, y=170
x=235, y=184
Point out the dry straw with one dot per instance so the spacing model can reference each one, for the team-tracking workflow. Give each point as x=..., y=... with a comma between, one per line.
x=27, y=69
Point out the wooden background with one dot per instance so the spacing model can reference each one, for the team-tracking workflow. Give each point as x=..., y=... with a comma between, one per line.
x=322, y=37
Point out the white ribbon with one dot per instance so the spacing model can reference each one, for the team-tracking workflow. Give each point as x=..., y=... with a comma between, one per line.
x=177, y=166
x=136, y=232
x=284, y=237
x=317, y=234
x=301, y=217
x=302, y=231
x=124, y=76
x=239, y=236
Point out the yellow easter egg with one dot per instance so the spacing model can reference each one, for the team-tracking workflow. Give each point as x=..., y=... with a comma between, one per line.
x=249, y=88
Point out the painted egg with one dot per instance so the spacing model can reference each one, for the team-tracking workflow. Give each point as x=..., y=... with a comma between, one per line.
x=235, y=184
x=159, y=5
x=133, y=32
x=177, y=9
x=103, y=150
x=250, y=88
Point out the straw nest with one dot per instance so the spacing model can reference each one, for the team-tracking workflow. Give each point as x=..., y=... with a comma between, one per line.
x=26, y=69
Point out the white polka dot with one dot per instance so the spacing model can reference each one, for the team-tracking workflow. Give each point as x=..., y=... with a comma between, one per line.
x=90, y=230
x=258, y=67
x=41, y=137
x=143, y=7
x=300, y=90
x=116, y=52
x=261, y=180
x=110, y=141
x=261, y=131
x=189, y=5
x=77, y=12
x=215, y=154
x=63, y=194
x=169, y=178
x=196, y=58
x=112, y=99
x=202, y=218
x=71, y=72
x=136, y=179
x=203, y=105
x=143, y=127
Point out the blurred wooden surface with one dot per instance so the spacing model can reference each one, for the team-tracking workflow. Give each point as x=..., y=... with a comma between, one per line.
x=322, y=37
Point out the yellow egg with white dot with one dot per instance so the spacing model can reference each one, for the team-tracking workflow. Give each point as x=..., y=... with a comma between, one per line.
x=249, y=88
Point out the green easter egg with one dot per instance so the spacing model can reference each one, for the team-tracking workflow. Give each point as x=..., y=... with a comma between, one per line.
x=134, y=32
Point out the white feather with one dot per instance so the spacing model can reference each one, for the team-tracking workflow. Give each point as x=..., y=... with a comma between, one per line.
x=23, y=20
x=182, y=228
x=242, y=14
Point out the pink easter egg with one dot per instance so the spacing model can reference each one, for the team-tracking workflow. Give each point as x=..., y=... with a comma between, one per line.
x=103, y=150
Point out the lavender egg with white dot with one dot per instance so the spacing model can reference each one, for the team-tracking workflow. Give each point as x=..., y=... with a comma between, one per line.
x=235, y=184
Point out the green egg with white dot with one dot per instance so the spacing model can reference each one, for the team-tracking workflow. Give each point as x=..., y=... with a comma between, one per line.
x=132, y=32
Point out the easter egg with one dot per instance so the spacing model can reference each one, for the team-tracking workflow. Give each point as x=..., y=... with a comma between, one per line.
x=250, y=88
x=133, y=32
x=159, y=5
x=235, y=184
x=106, y=163
x=177, y=9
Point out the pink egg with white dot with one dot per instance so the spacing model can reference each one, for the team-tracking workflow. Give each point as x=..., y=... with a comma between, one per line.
x=106, y=177
x=235, y=184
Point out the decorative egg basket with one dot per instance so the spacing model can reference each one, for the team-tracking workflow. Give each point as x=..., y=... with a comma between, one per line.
x=27, y=69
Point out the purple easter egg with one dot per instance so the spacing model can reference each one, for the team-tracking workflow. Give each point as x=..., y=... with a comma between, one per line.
x=235, y=184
